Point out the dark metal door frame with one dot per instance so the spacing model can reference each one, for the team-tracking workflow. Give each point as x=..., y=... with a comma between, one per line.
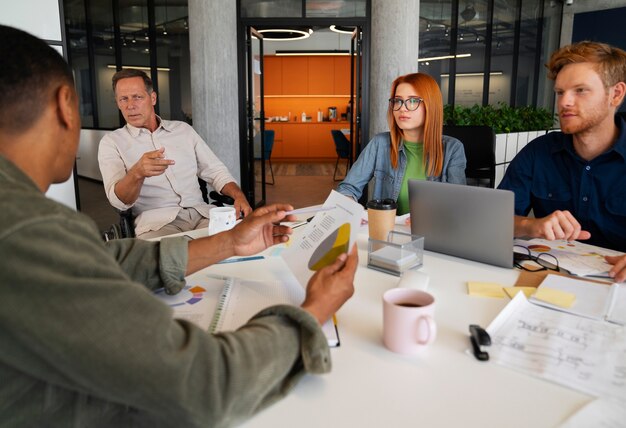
x=362, y=130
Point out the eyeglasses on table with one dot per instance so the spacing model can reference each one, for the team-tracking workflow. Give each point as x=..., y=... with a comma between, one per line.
x=525, y=260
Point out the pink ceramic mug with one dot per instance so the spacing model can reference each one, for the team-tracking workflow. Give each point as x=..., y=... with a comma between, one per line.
x=408, y=320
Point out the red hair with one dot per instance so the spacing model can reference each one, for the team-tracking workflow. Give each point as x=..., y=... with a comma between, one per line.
x=426, y=87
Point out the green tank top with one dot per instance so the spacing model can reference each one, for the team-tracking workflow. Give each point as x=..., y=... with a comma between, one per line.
x=415, y=169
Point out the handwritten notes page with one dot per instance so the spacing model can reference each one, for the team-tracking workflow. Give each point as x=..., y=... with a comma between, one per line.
x=580, y=353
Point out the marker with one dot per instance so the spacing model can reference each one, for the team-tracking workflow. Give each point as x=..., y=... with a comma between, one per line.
x=309, y=210
x=241, y=259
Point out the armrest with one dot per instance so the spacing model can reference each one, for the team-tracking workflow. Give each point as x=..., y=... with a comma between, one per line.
x=220, y=199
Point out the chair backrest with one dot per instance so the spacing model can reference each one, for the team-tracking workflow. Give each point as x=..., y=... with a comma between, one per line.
x=479, y=142
x=269, y=143
x=342, y=144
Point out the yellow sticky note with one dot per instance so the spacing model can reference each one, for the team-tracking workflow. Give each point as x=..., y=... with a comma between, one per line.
x=555, y=297
x=512, y=291
x=485, y=289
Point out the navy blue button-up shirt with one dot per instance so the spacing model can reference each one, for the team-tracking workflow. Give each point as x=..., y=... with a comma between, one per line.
x=548, y=175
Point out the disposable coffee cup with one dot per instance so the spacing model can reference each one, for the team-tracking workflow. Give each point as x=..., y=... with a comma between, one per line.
x=221, y=219
x=381, y=218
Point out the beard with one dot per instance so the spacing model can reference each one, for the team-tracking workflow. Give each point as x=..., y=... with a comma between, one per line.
x=585, y=121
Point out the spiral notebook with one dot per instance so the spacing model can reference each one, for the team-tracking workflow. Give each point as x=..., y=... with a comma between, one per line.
x=219, y=304
x=241, y=300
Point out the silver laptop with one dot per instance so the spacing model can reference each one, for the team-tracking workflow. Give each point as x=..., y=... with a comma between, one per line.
x=474, y=223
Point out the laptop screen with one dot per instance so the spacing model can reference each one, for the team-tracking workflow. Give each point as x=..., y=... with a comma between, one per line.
x=474, y=223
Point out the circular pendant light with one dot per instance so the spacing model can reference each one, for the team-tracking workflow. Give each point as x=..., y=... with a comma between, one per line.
x=284, y=34
x=342, y=29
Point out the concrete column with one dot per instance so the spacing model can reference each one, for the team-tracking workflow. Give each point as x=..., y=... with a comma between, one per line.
x=394, y=52
x=581, y=6
x=214, y=99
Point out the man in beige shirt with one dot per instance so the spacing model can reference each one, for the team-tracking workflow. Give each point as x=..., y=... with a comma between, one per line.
x=152, y=165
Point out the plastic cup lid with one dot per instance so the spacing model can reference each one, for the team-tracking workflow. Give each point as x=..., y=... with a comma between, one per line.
x=382, y=204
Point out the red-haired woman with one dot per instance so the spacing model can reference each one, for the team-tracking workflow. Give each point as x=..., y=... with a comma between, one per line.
x=413, y=149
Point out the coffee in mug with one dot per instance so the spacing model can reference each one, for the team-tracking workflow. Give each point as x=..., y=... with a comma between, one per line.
x=381, y=218
x=408, y=320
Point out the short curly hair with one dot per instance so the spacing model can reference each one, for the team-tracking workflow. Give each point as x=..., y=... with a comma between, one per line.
x=609, y=61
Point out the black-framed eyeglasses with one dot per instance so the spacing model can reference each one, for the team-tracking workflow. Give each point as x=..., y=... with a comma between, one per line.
x=411, y=104
x=525, y=260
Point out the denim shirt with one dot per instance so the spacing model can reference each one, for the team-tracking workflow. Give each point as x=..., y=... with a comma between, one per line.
x=375, y=162
x=548, y=175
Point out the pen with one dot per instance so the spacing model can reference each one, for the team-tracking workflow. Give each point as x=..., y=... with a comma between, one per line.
x=309, y=210
x=241, y=259
x=308, y=220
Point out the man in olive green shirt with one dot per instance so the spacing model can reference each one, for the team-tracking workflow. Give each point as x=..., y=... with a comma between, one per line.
x=83, y=342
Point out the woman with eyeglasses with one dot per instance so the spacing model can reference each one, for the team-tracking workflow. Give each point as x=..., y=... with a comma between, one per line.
x=413, y=149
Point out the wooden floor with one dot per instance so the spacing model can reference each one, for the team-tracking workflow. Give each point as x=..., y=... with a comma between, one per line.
x=297, y=190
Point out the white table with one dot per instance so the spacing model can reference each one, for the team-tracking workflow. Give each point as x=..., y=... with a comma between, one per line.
x=370, y=386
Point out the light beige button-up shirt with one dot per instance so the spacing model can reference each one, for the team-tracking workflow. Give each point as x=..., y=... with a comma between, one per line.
x=161, y=197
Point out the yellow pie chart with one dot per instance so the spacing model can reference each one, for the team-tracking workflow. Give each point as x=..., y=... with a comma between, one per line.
x=328, y=250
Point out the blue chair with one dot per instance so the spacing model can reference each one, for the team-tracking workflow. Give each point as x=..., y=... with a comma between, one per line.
x=267, y=153
x=342, y=146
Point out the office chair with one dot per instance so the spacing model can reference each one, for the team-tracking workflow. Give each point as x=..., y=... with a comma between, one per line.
x=342, y=146
x=479, y=142
x=267, y=152
x=126, y=226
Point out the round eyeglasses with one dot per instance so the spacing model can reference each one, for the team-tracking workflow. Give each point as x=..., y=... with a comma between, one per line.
x=411, y=104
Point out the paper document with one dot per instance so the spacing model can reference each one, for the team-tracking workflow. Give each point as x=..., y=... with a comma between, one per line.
x=592, y=300
x=602, y=413
x=575, y=257
x=330, y=233
x=217, y=303
x=579, y=353
x=196, y=302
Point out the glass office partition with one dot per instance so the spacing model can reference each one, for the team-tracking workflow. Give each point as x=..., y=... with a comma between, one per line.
x=76, y=24
x=271, y=8
x=529, y=24
x=107, y=35
x=173, y=59
x=502, y=54
x=435, y=42
x=460, y=41
x=470, y=61
x=335, y=9
x=303, y=8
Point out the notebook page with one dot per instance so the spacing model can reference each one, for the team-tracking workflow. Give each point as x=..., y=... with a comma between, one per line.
x=617, y=312
x=592, y=299
x=247, y=298
x=244, y=299
x=196, y=302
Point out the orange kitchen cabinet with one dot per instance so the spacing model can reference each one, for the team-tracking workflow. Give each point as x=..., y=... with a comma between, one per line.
x=341, y=65
x=295, y=141
x=321, y=75
x=295, y=75
x=272, y=75
x=321, y=143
